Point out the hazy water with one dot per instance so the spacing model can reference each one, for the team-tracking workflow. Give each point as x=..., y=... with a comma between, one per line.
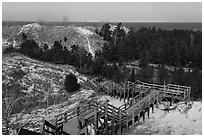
x=137, y=25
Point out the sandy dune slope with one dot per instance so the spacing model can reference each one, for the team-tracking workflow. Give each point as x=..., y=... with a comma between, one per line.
x=174, y=123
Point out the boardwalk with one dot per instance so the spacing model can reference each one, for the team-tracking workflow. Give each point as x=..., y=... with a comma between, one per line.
x=105, y=119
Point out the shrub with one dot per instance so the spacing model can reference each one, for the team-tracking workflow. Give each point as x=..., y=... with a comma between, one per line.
x=71, y=84
x=24, y=36
x=9, y=49
x=29, y=48
x=65, y=39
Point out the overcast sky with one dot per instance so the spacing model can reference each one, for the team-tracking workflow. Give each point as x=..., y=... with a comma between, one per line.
x=175, y=12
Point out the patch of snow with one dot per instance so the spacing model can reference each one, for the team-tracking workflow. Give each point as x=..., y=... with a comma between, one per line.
x=186, y=122
x=6, y=43
x=113, y=27
x=28, y=27
x=90, y=49
x=84, y=31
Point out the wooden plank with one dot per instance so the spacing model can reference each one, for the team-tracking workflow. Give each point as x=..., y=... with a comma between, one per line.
x=148, y=109
x=133, y=90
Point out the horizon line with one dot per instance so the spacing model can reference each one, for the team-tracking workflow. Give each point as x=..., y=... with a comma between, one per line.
x=108, y=21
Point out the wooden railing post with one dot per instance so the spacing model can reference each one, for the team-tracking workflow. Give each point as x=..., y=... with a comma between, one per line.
x=124, y=95
x=148, y=106
x=113, y=122
x=144, y=109
x=56, y=119
x=153, y=108
x=120, y=95
x=85, y=126
x=171, y=98
x=143, y=112
x=133, y=119
x=78, y=118
x=157, y=102
x=124, y=90
x=120, y=122
x=42, y=128
x=65, y=117
x=184, y=95
x=133, y=90
x=127, y=122
x=138, y=118
x=106, y=117
x=148, y=109
x=113, y=90
x=128, y=92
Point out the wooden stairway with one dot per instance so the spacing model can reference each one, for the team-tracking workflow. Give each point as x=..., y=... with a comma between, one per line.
x=105, y=119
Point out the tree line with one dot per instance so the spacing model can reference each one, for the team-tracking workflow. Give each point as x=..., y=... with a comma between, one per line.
x=179, y=48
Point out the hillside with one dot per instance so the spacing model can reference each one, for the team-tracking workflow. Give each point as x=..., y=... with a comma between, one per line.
x=84, y=37
x=31, y=73
x=41, y=86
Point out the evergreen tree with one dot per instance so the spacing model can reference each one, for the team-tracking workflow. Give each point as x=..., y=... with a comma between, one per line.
x=105, y=32
x=70, y=83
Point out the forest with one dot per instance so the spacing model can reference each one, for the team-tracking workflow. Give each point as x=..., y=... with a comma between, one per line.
x=179, y=48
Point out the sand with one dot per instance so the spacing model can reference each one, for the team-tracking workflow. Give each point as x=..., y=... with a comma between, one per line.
x=172, y=123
